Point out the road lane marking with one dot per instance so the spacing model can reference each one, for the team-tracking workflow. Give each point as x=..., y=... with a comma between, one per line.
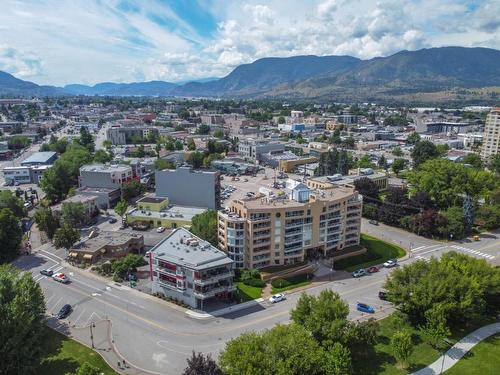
x=79, y=316
x=433, y=250
x=51, y=254
x=54, y=306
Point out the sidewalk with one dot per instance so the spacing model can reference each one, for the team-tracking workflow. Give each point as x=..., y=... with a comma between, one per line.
x=99, y=336
x=457, y=351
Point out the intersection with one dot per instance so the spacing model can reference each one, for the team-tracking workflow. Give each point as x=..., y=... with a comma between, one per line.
x=158, y=337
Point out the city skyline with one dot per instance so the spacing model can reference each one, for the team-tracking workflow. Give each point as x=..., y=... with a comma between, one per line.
x=124, y=41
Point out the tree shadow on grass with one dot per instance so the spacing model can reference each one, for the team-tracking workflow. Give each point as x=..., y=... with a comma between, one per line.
x=371, y=362
x=51, y=363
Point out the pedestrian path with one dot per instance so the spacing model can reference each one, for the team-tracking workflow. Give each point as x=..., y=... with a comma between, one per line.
x=457, y=351
x=475, y=252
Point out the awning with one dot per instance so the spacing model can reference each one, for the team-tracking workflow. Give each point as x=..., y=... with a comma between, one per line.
x=87, y=256
x=73, y=254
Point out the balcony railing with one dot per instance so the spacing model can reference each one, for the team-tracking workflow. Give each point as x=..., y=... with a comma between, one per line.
x=213, y=279
x=212, y=292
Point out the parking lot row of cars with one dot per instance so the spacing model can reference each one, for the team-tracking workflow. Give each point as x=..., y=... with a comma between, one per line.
x=365, y=271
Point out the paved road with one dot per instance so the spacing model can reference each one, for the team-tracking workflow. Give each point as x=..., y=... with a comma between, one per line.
x=158, y=337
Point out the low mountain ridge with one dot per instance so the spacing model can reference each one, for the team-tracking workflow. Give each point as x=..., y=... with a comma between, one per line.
x=345, y=77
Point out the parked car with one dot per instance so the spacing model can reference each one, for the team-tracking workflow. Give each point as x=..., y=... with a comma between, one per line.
x=112, y=220
x=47, y=272
x=372, y=269
x=373, y=222
x=359, y=273
x=61, y=277
x=64, y=312
x=383, y=295
x=160, y=230
x=277, y=298
x=363, y=307
x=391, y=263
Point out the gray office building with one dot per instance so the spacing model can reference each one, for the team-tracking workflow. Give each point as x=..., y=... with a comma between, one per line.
x=105, y=176
x=187, y=187
x=252, y=149
x=189, y=269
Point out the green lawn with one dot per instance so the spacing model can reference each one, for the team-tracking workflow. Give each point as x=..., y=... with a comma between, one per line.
x=246, y=292
x=378, y=252
x=379, y=359
x=293, y=282
x=62, y=355
x=483, y=359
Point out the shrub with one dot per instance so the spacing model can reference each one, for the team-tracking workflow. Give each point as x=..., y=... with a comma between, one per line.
x=258, y=283
x=250, y=274
x=280, y=283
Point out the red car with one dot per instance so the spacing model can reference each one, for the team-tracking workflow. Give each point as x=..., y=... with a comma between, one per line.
x=373, y=269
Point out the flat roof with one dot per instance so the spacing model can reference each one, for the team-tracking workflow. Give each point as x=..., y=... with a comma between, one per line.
x=172, y=211
x=40, y=157
x=105, y=238
x=151, y=200
x=105, y=168
x=323, y=195
x=196, y=255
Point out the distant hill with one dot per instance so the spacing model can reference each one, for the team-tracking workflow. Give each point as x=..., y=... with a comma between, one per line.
x=12, y=86
x=406, y=75
x=267, y=73
x=152, y=88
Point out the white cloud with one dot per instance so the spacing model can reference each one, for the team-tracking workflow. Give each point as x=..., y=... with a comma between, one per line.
x=90, y=41
x=22, y=64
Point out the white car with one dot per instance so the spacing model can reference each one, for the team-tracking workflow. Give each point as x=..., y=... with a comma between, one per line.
x=391, y=263
x=60, y=277
x=160, y=229
x=277, y=298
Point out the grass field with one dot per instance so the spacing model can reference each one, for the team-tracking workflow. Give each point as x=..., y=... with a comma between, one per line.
x=483, y=359
x=380, y=360
x=293, y=282
x=246, y=292
x=378, y=252
x=63, y=355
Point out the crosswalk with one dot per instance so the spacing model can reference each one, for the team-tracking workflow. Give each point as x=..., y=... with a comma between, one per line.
x=424, y=252
x=475, y=252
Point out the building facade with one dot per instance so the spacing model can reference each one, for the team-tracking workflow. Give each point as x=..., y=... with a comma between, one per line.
x=252, y=149
x=188, y=269
x=491, y=138
x=188, y=187
x=105, y=176
x=261, y=232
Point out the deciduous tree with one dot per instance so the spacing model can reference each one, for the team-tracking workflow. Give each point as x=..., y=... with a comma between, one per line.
x=22, y=310
x=402, y=347
x=200, y=364
x=10, y=235
x=65, y=237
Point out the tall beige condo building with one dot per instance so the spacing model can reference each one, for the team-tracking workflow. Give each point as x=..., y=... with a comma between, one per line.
x=262, y=231
x=491, y=138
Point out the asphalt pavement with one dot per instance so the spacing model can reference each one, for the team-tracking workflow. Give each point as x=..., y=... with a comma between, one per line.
x=157, y=337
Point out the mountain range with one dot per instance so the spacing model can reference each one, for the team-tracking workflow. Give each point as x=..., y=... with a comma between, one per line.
x=335, y=77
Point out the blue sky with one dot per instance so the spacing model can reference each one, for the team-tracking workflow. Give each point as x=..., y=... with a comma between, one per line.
x=89, y=41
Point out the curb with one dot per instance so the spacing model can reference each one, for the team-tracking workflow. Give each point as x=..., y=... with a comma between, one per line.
x=224, y=311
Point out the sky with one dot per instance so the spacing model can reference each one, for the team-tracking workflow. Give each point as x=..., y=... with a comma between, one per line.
x=58, y=42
